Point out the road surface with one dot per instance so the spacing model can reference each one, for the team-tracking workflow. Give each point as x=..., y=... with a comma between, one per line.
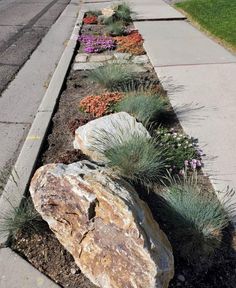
x=22, y=25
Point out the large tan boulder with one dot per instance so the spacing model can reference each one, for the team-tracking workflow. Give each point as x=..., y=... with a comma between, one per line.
x=105, y=226
x=88, y=136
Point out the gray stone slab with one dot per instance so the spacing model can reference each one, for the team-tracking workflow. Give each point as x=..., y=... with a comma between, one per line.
x=213, y=88
x=18, y=273
x=86, y=66
x=11, y=136
x=178, y=43
x=154, y=9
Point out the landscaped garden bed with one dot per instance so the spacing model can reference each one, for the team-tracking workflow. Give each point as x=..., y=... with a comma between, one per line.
x=163, y=165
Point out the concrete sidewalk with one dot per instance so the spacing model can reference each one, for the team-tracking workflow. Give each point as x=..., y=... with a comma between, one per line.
x=200, y=73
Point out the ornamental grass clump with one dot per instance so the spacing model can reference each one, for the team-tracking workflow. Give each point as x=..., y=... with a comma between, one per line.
x=115, y=29
x=24, y=216
x=193, y=218
x=96, y=44
x=144, y=108
x=112, y=75
x=132, y=156
x=100, y=105
x=120, y=13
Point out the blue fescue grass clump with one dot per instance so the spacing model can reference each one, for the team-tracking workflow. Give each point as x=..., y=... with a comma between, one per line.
x=195, y=218
x=145, y=108
x=132, y=156
x=18, y=218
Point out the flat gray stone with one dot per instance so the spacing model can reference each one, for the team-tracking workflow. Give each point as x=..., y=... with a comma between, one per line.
x=100, y=58
x=17, y=272
x=122, y=56
x=86, y=66
x=138, y=68
x=212, y=87
x=81, y=57
x=154, y=9
x=142, y=59
x=179, y=43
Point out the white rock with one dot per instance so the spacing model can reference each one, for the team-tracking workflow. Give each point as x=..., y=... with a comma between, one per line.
x=122, y=56
x=142, y=59
x=81, y=57
x=100, y=58
x=86, y=66
x=86, y=135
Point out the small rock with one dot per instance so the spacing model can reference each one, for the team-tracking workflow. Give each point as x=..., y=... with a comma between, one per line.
x=181, y=278
x=100, y=58
x=142, y=59
x=86, y=66
x=138, y=68
x=73, y=271
x=81, y=57
x=122, y=56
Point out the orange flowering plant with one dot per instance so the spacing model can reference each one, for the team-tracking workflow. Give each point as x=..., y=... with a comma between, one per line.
x=100, y=105
x=132, y=43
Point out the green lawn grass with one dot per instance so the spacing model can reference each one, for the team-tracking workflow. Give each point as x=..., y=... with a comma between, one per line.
x=216, y=16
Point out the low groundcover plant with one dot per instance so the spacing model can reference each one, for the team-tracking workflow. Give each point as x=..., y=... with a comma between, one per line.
x=183, y=150
x=96, y=44
x=100, y=105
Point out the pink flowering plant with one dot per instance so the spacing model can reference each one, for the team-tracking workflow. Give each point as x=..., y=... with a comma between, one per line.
x=96, y=43
x=183, y=150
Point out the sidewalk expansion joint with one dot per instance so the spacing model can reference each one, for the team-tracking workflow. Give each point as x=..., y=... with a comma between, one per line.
x=195, y=64
x=160, y=19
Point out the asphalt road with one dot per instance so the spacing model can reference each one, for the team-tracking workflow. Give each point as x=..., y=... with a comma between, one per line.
x=23, y=23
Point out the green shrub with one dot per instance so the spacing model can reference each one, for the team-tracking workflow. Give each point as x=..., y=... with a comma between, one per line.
x=93, y=13
x=144, y=108
x=115, y=29
x=112, y=75
x=194, y=219
x=132, y=156
x=182, y=149
x=24, y=216
x=122, y=13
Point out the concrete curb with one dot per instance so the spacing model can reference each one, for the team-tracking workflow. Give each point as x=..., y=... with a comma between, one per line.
x=24, y=167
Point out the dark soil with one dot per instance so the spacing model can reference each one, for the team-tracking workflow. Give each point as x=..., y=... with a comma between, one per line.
x=45, y=253
x=43, y=250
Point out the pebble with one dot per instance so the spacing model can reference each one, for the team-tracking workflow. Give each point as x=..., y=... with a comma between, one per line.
x=181, y=278
x=73, y=271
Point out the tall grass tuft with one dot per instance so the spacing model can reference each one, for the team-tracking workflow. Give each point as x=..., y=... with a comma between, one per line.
x=122, y=13
x=132, y=156
x=115, y=29
x=112, y=75
x=24, y=216
x=195, y=218
x=144, y=108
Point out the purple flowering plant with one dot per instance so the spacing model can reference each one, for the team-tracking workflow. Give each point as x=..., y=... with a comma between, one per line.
x=182, y=150
x=96, y=43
